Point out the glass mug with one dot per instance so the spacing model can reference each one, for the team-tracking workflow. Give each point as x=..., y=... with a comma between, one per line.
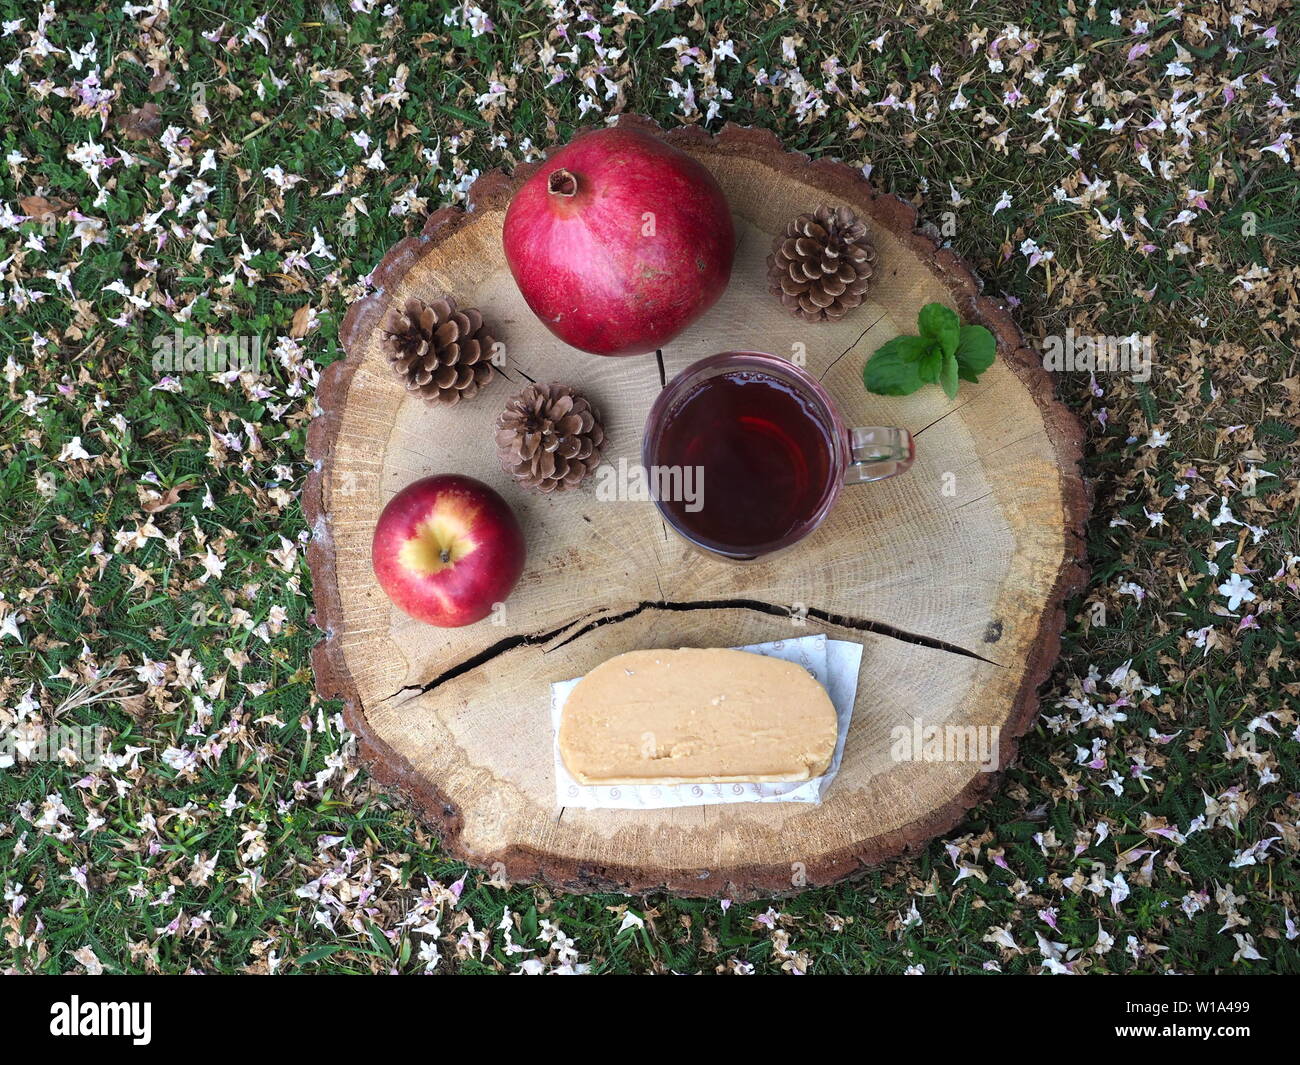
x=746, y=454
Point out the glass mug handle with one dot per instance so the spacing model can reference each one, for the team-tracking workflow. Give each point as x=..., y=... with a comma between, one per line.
x=877, y=452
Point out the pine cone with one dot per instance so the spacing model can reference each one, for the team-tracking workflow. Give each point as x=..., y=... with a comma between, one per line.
x=822, y=265
x=549, y=438
x=441, y=352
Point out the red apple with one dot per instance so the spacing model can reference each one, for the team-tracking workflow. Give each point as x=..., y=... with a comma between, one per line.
x=447, y=549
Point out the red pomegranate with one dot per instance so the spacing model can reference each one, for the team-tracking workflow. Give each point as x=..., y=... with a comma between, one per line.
x=619, y=242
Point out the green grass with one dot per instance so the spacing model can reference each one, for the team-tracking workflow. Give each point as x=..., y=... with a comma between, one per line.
x=163, y=865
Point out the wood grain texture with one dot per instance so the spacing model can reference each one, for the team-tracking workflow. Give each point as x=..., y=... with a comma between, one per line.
x=956, y=595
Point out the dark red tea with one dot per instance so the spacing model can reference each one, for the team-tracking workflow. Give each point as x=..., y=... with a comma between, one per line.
x=766, y=453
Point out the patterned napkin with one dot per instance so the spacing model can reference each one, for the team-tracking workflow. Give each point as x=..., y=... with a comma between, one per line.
x=834, y=663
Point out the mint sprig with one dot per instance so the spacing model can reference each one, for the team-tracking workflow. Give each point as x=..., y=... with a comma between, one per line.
x=945, y=353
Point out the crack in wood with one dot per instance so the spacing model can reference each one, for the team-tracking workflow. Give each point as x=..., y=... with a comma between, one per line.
x=510, y=643
x=663, y=525
x=975, y=500
x=822, y=376
x=952, y=410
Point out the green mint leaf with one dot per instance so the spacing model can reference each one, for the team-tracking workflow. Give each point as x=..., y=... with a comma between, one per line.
x=910, y=348
x=975, y=352
x=948, y=376
x=931, y=363
x=891, y=371
x=940, y=323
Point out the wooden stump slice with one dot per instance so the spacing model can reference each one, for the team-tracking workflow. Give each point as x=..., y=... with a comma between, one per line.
x=952, y=577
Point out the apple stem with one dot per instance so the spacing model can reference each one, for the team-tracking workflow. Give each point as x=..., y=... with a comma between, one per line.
x=445, y=555
x=562, y=183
